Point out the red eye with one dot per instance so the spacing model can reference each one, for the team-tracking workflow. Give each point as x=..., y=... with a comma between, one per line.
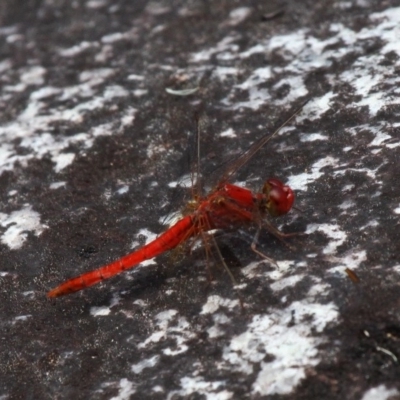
x=279, y=196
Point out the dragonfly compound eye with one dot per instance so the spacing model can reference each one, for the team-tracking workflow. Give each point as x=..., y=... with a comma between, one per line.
x=279, y=197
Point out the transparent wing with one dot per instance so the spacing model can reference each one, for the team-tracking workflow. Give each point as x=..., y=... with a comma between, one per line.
x=255, y=147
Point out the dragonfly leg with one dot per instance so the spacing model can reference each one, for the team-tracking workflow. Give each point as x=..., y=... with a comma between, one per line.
x=228, y=270
x=262, y=255
x=281, y=235
x=202, y=227
x=207, y=248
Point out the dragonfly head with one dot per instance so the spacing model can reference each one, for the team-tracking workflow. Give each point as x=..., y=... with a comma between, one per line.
x=279, y=197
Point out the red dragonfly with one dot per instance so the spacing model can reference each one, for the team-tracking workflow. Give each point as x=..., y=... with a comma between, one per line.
x=226, y=207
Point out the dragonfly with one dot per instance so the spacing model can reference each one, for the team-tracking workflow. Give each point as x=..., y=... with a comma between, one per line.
x=226, y=207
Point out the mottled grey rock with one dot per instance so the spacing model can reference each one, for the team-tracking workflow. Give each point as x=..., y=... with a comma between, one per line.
x=94, y=152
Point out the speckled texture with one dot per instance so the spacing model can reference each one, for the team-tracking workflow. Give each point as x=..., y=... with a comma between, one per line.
x=94, y=154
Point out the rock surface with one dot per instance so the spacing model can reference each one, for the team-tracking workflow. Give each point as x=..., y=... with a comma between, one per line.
x=92, y=146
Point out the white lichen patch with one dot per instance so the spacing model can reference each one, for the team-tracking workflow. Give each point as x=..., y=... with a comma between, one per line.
x=209, y=390
x=301, y=181
x=257, y=77
x=312, y=137
x=228, y=133
x=380, y=392
x=286, y=282
x=333, y=231
x=115, y=37
x=100, y=311
x=258, y=269
x=351, y=260
x=185, y=181
x=370, y=173
x=345, y=205
x=123, y=189
x=214, y=332
x=238, y=15
x=304, y=51
x=285, y=335
x=21, y=318
x=251, y=270
x=221, y=323
x=148, y=235
x=318, y=106
x=169, y=325
x=34, y=125
x=78, y=49
x=33, y=75
x=319, y=288
x=125, y=390
x=128, y=117
x=18, y=224
x=214, y=302
x=57, y=185
x=146, y=363
x=103, y=311
x=221, y=47
x=29, y=76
